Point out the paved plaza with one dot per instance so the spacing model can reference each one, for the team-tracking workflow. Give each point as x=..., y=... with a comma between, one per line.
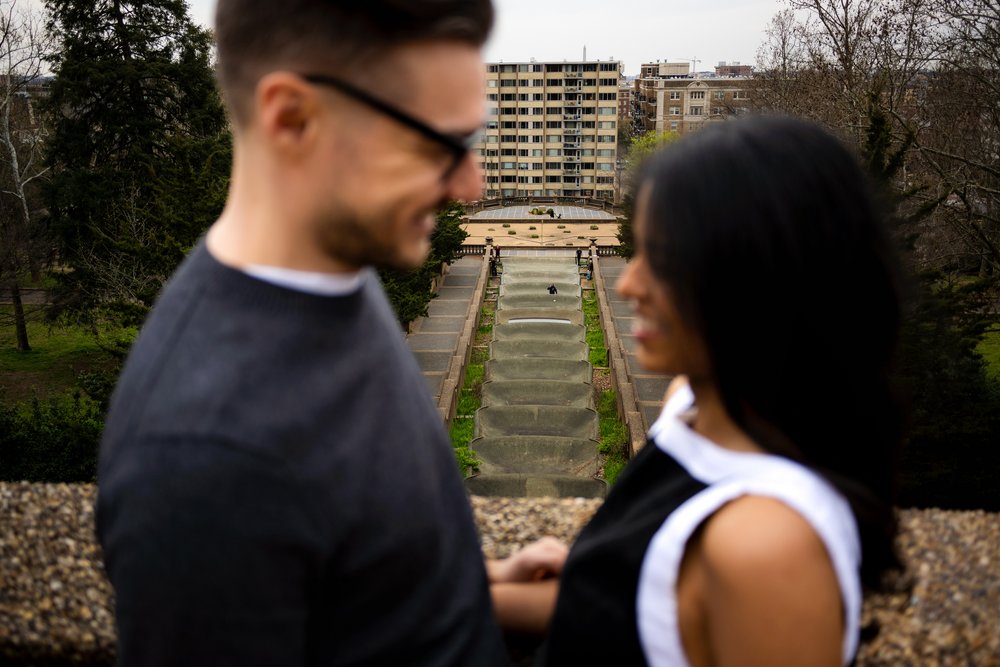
x=521, y=213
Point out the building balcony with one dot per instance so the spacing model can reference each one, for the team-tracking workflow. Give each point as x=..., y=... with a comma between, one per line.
x=571, y=116
x=572, y=132
x=574, y=89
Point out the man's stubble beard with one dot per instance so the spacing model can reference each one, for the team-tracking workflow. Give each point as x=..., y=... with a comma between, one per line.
x=350, y=239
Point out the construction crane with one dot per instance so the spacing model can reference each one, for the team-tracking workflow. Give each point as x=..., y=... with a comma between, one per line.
x=694, y=65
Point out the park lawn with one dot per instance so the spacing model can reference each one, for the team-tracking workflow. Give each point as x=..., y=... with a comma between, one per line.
x=989, y=348
x=58, y=355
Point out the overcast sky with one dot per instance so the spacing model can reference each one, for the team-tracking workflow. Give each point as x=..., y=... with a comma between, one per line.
x=632, y=31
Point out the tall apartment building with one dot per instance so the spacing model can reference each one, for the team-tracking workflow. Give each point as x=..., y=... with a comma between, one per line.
x=552, y=129
x=669, y=98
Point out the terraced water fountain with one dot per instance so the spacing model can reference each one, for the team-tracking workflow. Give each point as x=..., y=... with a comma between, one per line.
x=537, y=430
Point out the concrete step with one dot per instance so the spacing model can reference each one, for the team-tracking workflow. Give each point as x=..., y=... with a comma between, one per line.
x=571, y=288
x=562, y=331
x=538, y=369
x=524, y=454
x=536, y=486
x=571, y=315
x=538, y=392
x=549, y=420
x=538, y=348
x=544, y=300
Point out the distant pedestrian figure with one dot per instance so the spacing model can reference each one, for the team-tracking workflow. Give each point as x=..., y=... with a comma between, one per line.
x=493, y=266
x=553, y=290
x=579, y=254
x=590, y=269
x=496, y=252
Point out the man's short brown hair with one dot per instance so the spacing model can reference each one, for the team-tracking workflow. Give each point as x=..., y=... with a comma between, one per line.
x=255, y=37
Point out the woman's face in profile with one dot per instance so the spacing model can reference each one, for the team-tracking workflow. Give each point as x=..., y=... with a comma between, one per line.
x=666, y=344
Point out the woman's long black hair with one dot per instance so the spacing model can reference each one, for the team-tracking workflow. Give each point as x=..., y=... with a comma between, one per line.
x=769, y=234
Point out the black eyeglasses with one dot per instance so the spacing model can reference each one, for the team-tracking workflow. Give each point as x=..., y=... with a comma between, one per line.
x=458, y=145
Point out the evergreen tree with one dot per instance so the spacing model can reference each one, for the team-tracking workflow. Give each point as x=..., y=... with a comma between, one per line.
x=640, y=148
x=409, y=292
x=140, y=150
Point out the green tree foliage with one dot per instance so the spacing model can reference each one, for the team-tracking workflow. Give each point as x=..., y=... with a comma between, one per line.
x=139, y=148
x=640, y=148
x=54, y=441
x=410, y=291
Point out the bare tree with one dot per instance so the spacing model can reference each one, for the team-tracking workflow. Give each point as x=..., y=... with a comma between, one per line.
x=23, y=44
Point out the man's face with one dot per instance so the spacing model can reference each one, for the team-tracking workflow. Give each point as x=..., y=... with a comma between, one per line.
x=384, y=179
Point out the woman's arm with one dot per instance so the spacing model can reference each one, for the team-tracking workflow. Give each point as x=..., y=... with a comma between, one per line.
x=525, y=585
x=761, y=588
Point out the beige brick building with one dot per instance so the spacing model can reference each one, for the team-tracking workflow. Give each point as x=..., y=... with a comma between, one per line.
x=669, y=98
x=551, y=129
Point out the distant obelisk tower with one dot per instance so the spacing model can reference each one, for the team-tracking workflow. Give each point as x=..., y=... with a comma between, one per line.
x=584, y=53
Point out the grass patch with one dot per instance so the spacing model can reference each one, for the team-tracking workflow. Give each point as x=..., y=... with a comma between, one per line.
x=595, y=334
x=989, y=348
x=58, y=355
x=470, y=398
x=613, y=431
x=614, y=436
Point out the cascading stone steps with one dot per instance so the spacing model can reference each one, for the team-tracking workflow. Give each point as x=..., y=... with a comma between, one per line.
x=537, y=431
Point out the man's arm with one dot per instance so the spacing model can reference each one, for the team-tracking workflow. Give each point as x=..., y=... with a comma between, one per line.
x=210, y=553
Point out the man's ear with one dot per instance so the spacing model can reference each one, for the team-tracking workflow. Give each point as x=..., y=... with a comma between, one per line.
x=287, y=111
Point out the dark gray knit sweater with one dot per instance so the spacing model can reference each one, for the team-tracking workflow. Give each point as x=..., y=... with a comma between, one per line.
x=276, y=488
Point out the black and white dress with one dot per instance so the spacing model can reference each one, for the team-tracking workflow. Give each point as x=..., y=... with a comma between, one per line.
x=617, y=601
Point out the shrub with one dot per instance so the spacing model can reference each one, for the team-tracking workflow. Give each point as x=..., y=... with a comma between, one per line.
x=534, y=236
x=505, y=225
x=512, y=232
x=561, y=227
x=532, y=228
x=54, y=441
x=594, y=227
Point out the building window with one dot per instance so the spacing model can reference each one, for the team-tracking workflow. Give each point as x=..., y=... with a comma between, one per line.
x=605, y=152
x=605, y=166
x=675, y=95
x=606, y=125
x=609, y=82
x=675, y=111
x=720, y=95
x=739, y=94
x=695, y=111
x=697, y=94
x=607, y=96
x=673, y=127
x=607, y=111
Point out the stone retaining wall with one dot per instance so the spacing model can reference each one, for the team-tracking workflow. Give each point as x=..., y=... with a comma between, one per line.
x=56, y=605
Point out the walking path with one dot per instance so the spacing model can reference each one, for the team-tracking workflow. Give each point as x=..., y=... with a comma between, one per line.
x=537, y=430
x=649, y=387
x=442, y=340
